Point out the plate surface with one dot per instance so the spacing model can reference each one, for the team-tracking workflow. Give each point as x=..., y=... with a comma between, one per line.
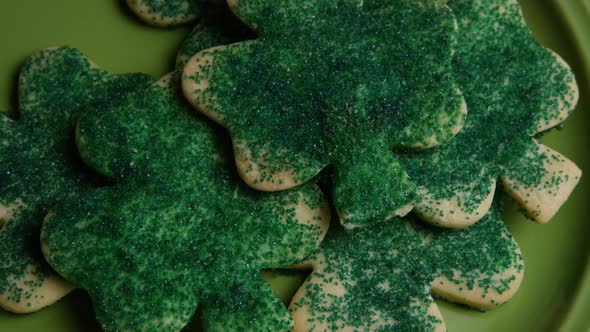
x=555, y=294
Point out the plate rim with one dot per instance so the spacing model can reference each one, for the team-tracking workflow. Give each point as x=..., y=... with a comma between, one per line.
x=576, y=14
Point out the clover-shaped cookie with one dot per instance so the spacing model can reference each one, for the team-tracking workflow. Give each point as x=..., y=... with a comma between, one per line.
x=41, y=166
x=515, y=89
x=177, y=229
x=333, y=83
x=381, y=278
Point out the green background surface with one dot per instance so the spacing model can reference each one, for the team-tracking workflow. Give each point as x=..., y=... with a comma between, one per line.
x=555, y=294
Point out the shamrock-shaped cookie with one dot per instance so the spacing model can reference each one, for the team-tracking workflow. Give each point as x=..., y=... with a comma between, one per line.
x=515, y=90
x=333, y=83
x=381, y=278
x=177, y=229
x=40, y=165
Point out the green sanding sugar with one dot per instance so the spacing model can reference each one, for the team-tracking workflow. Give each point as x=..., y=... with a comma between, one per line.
x=217, y=27
x=384, y=274
x=175, y=11
x=339, y=82
x=177, y=228
x=40, y=164
x=511, y=85
x=216, y=24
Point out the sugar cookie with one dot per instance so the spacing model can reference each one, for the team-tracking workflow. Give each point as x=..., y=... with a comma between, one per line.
x=40, y=165
x=167, y=13
x=177, y=229
x=333, y=83
x=382, y=278
x=515, y=89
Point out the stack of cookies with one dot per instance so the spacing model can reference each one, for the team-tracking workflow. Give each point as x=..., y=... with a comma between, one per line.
x=363, y=140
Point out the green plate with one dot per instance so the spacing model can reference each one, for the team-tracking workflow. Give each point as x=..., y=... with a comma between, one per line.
x=555, y=294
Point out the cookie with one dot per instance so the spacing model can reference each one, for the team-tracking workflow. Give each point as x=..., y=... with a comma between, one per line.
x=40, y=165
x=177, y=229
x=383, y=278
x=167, y=13
x=515, y=90
x=333, y=83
